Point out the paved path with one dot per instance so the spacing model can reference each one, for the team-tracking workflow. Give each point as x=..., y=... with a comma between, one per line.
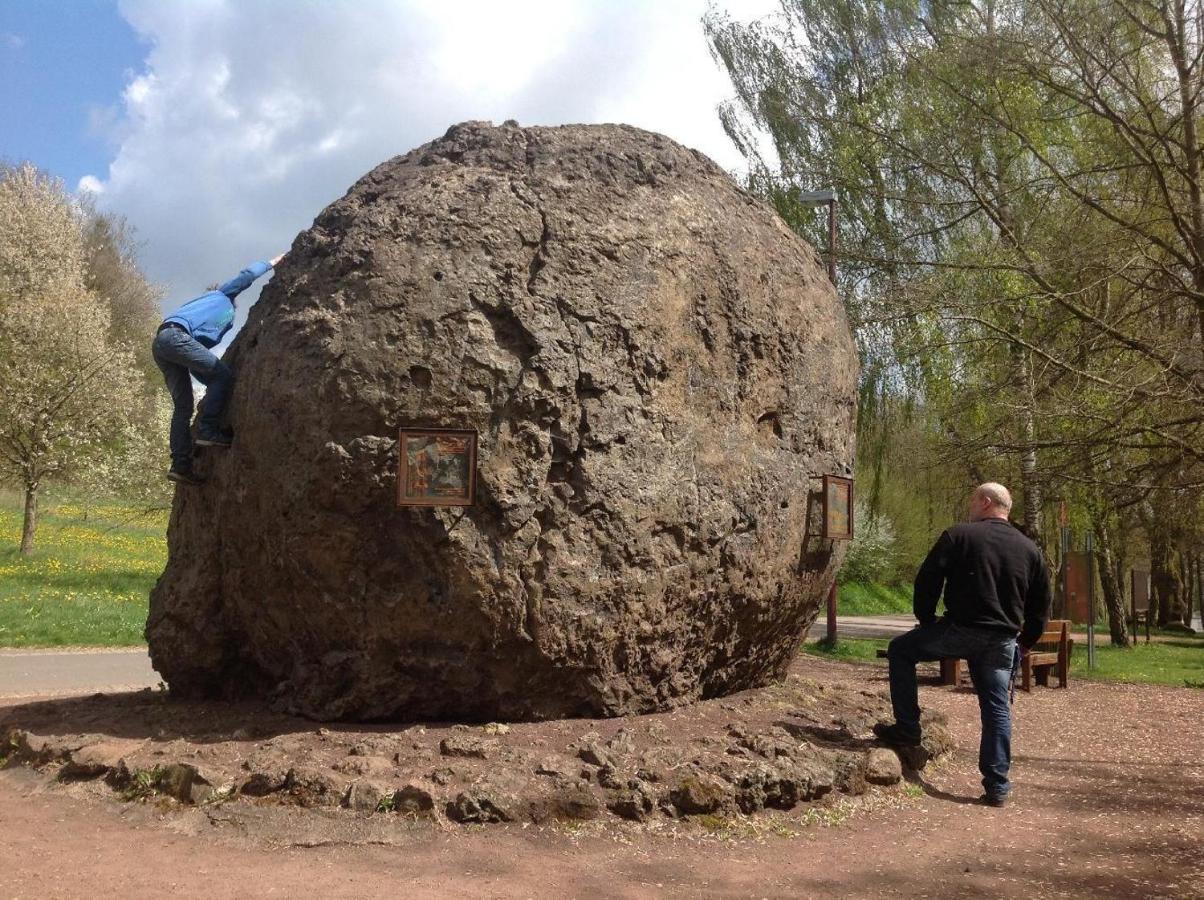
x=863, y=626
x=40, y=673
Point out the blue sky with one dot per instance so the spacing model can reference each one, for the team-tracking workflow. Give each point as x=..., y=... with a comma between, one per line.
x=63, y=67
x=221, y=128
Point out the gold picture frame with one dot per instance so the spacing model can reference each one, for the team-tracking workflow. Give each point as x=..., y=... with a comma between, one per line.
x=838, y=508
x=436, y=467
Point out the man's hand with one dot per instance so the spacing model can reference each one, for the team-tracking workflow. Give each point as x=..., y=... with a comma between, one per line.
x=276, y=259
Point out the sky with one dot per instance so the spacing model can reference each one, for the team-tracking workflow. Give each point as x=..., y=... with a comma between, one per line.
x=221, y=128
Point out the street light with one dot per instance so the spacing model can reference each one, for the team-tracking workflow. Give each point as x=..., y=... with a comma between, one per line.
x=819, y=198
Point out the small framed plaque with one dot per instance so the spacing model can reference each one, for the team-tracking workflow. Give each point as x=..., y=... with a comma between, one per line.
x=438, y=467
x=838, y=508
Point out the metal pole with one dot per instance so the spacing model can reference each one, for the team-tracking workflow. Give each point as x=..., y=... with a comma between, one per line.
x=1090, y=601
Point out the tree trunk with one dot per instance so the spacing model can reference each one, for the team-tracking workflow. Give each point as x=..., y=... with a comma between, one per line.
x=1114, y=595
x=30, y=525
x=1164, y=578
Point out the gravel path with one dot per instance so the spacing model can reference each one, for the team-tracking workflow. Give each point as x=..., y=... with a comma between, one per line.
x=1109, y=802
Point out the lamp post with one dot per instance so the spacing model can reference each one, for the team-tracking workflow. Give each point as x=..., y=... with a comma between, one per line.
x=820, y=198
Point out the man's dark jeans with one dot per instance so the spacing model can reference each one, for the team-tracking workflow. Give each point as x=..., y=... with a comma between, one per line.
x=179, y=357
x=991, y=655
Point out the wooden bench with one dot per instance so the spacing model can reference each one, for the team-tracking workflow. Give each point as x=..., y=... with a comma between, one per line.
x=1051, y=652
x=951, y=668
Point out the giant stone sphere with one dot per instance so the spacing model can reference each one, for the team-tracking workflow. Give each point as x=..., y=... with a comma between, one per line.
x=659, y=372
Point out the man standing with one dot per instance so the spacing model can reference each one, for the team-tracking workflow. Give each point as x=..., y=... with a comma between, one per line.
x=996, y=587
x=182, y=350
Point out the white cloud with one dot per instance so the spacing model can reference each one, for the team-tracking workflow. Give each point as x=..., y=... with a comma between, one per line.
x=90, y=184
x=249, y=118
x=12, y=41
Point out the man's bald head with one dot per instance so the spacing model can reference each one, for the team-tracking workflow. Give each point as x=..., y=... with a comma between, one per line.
x=990, y=501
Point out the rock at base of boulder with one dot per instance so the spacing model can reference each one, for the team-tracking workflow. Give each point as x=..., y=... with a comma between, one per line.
x=882, y=766
x=701, y=792
x=413, y=800
x=936, y=742
x=483, y=803
x=364, y=796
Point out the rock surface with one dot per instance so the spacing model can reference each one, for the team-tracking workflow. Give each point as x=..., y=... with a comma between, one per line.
x=658, y=371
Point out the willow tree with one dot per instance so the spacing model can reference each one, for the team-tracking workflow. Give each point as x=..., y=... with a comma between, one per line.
x=1023, y=218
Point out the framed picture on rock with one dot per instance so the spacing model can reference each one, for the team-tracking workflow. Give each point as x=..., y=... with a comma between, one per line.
x=838, y=508
x=437, y=467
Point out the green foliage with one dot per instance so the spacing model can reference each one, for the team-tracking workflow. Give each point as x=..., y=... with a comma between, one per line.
x=88, y=582
x=387, y=803
x=871, y=553
x=142, y=785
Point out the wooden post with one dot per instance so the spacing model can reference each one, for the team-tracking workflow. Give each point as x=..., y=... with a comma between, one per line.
x=832, y=241
x=832, y=613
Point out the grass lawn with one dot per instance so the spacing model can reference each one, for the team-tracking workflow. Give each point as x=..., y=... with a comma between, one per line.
x=1177, y=661
x=861, y=599
x=88, y=580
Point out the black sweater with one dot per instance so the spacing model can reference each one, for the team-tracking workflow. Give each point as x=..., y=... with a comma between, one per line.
x=993, y=576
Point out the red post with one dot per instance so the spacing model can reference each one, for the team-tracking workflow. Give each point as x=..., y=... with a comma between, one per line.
x=832, y=613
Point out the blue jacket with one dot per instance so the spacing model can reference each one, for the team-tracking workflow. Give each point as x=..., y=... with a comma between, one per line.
x=210, y=315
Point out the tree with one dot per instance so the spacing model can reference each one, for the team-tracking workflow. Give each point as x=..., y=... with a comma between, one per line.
x=66, y=388
x=1023, y=226
x=111, y=273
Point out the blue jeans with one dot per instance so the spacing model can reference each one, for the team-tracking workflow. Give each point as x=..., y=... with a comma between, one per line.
x=992, y=658
x=180, y=357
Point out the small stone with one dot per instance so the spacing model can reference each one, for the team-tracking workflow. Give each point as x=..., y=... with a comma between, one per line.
x=658, y=732
x=95, y=760
x=568, y=800
x=701, y=792
x=413, y=800
x=593, y=754
x=482, y=804
x=635, y=804
x=468, y=747
x=443, y=777
x=552, y=765
x=176, y=780
x=364, y=765
x=883, y=766
x=622, y=744
x=609, y=777
x=363, y=796
x=496, y=728
x=310, y=787
x=260, y=784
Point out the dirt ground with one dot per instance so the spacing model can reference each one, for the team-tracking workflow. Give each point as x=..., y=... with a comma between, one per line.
x=1109, y=802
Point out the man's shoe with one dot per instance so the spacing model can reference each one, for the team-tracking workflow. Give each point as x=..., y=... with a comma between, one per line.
x=895, y=735
x=221, y=438
x=184, y=476
x=991, y=800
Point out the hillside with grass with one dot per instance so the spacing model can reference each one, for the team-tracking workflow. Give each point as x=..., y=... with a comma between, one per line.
x=88, y=580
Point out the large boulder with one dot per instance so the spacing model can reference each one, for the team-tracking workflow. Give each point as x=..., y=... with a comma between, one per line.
x=659, y=372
